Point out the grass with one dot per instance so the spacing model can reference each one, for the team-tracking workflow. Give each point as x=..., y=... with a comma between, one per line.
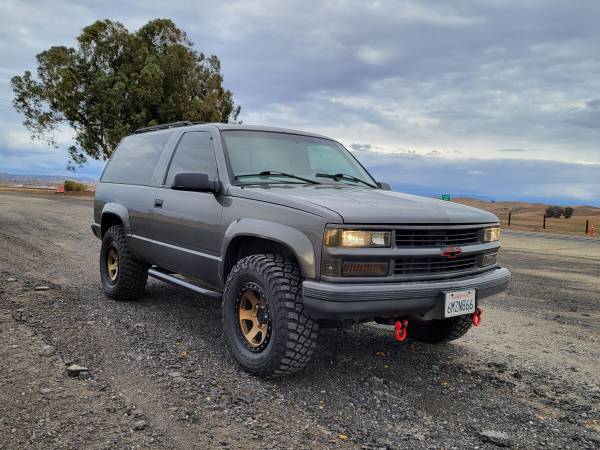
x=74, y=186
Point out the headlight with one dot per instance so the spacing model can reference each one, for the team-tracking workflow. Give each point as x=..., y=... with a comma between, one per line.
x=336, y=237
x=491, y=234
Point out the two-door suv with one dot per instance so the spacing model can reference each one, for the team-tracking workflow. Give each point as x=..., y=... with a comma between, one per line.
x=293, y=234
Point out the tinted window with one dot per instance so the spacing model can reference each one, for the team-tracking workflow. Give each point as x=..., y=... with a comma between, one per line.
x=331, y=160
x=194, y=153
x=252, y=152
x=135, y=158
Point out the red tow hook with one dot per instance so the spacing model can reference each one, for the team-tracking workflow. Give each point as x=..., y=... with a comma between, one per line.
x=401, y=330
x=476, y=317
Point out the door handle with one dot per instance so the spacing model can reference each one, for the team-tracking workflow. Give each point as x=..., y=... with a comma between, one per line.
x=158, y=202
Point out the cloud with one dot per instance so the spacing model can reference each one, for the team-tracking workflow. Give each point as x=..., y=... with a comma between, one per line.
x=512, y=150
x=360, y=147
x=499, y=179
x=371, y=55
x=587, y=116
x=454, y=80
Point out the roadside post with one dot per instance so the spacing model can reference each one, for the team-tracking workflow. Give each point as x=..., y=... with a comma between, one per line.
x=544, y=225
x=509, y=214
x=587, y=226
x=592, y=230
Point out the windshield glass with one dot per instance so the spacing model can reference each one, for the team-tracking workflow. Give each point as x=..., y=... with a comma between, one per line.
x=254, y=152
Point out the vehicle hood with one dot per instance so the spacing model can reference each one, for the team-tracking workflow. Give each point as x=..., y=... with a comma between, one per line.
x=365, y=205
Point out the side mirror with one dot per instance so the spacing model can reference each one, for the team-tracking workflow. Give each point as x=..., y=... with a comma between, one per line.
x=198, y=182
x=384, y=186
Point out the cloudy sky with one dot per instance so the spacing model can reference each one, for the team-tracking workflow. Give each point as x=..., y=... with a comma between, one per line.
x=493, y=98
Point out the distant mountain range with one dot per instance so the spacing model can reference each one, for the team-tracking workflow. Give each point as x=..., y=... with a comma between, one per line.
x=42, y=180
x=437, y=193
x=11, y=179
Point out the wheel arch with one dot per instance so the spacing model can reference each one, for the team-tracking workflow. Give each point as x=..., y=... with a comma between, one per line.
x=251, y=236
x=114, y=214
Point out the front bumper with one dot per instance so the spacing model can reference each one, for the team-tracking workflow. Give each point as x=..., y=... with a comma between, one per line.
x=365, y=301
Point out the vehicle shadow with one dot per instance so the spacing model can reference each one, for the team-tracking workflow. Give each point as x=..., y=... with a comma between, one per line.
x=358, y=370
x=364, y=350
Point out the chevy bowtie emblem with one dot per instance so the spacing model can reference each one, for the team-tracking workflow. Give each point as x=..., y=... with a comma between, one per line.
x=451, y=252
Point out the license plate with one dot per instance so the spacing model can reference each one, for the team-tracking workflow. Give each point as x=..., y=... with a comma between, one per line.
x=458, y=303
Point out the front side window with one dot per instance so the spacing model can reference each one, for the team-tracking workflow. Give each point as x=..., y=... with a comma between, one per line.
x=135, y=158
x=252, y=153
x=194, y=153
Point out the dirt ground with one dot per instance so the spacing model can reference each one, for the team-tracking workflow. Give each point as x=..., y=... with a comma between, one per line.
x=159, y=374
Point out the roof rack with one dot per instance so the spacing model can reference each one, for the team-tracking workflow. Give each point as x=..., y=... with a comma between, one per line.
x=183, y=123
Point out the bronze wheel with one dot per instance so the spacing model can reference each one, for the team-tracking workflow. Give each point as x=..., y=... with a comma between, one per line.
x=112, y=264
x=264, y=322
x=122, y=275
x=253, y=317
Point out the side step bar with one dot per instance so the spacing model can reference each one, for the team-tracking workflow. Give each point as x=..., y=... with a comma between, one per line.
x=161, y=275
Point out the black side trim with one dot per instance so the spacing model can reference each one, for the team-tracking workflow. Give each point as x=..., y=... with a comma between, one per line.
x=167, y=277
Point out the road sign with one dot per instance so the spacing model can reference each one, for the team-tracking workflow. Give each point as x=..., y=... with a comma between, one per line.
x=446, y=197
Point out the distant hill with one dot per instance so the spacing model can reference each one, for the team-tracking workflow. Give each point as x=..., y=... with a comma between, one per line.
x=530, y=216
x=523, y=208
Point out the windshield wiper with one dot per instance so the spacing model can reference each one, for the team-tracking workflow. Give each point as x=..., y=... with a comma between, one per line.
x=266, y=173
x=343, y=176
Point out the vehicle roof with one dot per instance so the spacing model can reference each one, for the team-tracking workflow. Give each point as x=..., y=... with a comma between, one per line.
x=242, y=127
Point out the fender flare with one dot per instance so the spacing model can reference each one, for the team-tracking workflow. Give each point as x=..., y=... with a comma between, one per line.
x=120, y=211
x=285, y=235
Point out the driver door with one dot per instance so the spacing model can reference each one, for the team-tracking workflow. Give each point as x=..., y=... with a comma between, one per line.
x=187, y=225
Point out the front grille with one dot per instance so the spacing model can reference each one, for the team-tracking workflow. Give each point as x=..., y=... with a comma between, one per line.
x=434, y=265
x=436, y=237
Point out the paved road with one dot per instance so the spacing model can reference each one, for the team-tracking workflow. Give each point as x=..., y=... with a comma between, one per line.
x=161, y=376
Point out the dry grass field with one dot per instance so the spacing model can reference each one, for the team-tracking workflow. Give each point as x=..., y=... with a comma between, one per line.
x=529, y=216
x=44, y=191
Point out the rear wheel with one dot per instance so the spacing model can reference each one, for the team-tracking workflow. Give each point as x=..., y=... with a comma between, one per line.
x=264, y=321
x=436, y=331
x=123, y=277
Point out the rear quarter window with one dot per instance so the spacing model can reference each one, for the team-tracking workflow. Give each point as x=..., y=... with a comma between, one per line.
x=135, y=158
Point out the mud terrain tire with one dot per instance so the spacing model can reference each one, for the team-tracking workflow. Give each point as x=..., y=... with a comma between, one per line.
x=292, y=335
x=132, y=274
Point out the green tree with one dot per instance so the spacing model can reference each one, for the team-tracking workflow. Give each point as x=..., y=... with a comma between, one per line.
x=554, y=211
x=568, y=212
x=71, y=185
x=115, y=81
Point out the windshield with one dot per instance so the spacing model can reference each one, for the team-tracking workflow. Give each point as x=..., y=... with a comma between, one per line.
x=266, y=157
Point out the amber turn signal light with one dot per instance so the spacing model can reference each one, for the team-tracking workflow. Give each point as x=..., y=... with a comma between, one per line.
x=355, y=269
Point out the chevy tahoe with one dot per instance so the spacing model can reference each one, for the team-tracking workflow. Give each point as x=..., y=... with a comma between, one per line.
x=291, y=233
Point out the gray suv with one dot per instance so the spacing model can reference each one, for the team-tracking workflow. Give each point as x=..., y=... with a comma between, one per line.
x=292, y=233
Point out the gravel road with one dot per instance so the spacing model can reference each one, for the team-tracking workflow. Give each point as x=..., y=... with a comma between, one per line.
x=158, y=374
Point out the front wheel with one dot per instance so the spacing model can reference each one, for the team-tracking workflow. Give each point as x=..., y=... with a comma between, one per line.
x=264, y=321
x=437, y=331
